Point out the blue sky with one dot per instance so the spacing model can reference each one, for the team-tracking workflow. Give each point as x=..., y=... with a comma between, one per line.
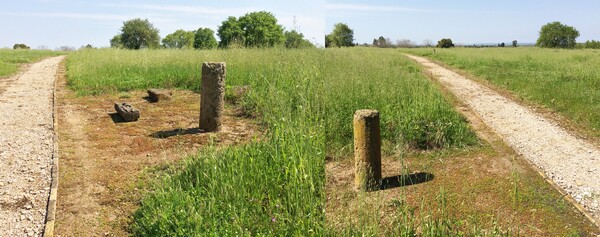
x=54, y=23
x=463, y=21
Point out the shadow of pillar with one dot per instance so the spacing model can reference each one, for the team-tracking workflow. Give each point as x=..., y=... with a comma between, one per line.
x=405, y=180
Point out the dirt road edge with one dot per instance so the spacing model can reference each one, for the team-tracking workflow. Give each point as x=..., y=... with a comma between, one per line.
x=557, y=187
x=51, y=207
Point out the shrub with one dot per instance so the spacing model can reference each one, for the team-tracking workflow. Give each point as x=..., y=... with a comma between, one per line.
x=445, y=43
x=21, y=46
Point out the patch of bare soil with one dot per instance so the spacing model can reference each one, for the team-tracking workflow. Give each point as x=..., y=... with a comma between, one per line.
x=26, y=146
x=487, y=188
x=102, y=158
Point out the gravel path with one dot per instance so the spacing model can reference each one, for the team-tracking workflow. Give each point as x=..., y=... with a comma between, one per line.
x=572, y=163
x=26, y=148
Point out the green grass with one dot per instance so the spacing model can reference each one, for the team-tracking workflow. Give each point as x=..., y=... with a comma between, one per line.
x=305, y=100
x=413, y=112
x=10, y=60
x=566, y=81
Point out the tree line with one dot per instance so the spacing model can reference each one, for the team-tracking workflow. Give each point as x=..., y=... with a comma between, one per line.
x=551, y=35
x=252, y=30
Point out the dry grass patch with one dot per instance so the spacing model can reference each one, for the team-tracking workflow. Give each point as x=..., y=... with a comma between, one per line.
x=473, y=192
x=102, y=159
x=489, y=190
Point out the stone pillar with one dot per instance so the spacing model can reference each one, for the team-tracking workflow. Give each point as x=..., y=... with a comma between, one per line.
x=367, y=150
x=212, y=92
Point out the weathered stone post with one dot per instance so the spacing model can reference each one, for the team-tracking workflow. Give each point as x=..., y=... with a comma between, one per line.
x=211, y=96
x=367, y=150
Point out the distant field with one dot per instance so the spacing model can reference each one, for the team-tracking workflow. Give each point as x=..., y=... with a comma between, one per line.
x=10, y=60
x=566, y=81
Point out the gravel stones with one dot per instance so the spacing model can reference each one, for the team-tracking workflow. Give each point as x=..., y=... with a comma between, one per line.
x=570, y=162
x=26, y=147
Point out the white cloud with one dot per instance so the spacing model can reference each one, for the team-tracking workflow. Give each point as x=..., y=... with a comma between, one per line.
x=183, y=9
x=198, y=10
x=101, y=17
x=369, y=8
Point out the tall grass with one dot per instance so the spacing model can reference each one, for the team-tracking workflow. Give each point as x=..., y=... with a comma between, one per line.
x=108, y=70
x=305, y=99
x=414, y=114
x=10, y=60
x=567, y=81
x=265, y=188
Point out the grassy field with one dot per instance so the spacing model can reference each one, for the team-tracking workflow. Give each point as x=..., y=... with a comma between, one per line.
x=414, y=114
x=477, y=189
x=304, y=101
x=566, y=81
x=264, y=186
x=10, y=60
x=258, y=188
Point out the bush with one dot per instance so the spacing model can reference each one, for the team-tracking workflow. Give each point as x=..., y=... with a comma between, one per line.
x=445, y=43
x=21, y=46
x=592, y=44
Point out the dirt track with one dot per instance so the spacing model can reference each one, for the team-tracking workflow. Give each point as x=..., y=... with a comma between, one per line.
x=26, y=146
x=573, y=164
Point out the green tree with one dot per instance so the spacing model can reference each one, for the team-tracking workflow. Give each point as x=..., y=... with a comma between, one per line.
x=341, y=36
x=116, y=42
x=445, y=43
x=179, y=39
x=593, y=44
x=557, y=35
x=20, y=46
x=230, y=32
x=138, y=33
x=255, y=29
x=205, y=39
x=382, y=42
x=329, y=41
x=261, y=29
x=514, y=43
x=294, y=39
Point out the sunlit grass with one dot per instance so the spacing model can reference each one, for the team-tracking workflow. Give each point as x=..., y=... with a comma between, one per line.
x=10, y=59
x=567, y=81
x=305, y=100
x=414, y=114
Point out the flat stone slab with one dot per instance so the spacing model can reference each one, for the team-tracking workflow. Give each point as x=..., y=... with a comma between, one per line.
x=156, y=95
x=127, y=111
